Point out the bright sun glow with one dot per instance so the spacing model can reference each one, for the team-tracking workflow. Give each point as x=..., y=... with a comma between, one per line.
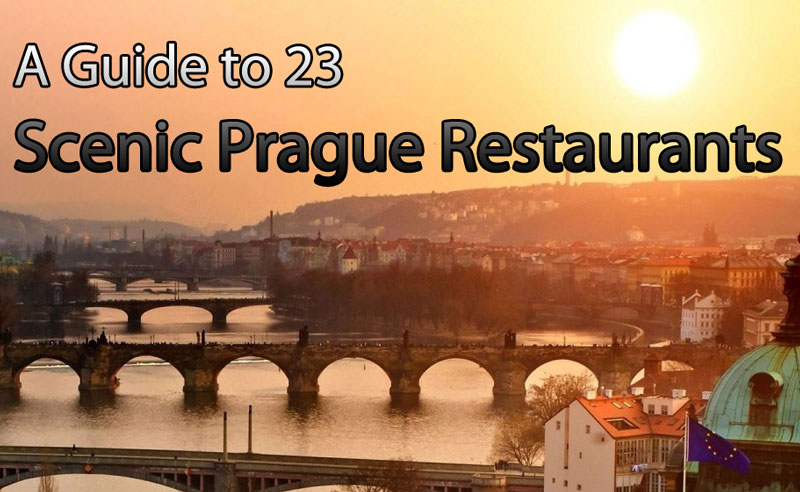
x=656, y=54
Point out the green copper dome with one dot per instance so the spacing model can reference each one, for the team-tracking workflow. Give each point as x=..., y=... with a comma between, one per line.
x=758, y=397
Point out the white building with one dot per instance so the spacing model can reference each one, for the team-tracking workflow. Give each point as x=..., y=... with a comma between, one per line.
x=761, y=320
x=612, y=444
x=701, y=317
x=218, y=256
x=349, y=262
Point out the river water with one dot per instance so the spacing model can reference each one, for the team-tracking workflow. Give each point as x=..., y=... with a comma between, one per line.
x=455, y=420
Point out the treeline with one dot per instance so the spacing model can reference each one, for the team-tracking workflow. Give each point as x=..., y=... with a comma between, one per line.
x=461, y=301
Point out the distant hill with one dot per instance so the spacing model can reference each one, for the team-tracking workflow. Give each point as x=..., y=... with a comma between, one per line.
x=20, y=230
x=661, y=210
x=23, y=229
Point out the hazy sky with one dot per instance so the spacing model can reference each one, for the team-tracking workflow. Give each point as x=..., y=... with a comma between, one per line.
x=505, y=66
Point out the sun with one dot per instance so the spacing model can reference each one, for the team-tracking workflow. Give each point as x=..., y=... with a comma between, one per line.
x=656, y=54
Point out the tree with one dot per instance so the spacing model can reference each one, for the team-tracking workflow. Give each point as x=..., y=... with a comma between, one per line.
x=394, y=476
x=47, y=482
x=521, y=437
x=556, y=392
x=9, y=314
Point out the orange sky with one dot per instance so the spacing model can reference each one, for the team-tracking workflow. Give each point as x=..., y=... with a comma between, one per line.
x=508, y=67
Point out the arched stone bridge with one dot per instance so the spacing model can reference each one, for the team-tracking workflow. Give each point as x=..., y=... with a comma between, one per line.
x=134, y=309
x=122, y=277
x=193, y=471
x=614, y=367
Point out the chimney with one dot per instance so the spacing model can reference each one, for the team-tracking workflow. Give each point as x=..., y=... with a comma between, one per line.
x=590, y=394
x=706, y=395
x=679, y=393
x=271, y=225
x=125, y=233
x=608, y=393
x=637, y=391
x=143, y=240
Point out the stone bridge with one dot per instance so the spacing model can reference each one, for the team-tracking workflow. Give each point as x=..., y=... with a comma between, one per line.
x=98, y=365
x=218, y=307
x=193, y=471
x=121, y=278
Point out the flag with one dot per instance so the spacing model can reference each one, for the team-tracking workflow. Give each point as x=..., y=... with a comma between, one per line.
x=704, y=445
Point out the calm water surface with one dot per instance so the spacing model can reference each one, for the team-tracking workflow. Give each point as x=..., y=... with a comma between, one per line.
x=455, y=420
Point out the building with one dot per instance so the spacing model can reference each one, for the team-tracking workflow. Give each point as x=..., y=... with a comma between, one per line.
x=349, y=262
x=756, y=406
x=657, y=271
x=609, y=443
x=735, y=275
x=217, y=256
x=701, y=317
x=761, y=320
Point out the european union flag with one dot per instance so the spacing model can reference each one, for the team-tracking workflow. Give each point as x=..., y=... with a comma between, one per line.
x=704, y=445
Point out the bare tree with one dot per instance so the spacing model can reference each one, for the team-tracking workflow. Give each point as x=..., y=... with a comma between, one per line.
x=8, y=314
x=520, y=439
x=556, y=392
x=394, y=476
x=47, y=482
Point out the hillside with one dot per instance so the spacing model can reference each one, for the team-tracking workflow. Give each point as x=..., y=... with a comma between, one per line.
x=661, y=210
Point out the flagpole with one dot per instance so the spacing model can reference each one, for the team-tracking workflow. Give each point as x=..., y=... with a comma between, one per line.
x=685, y=449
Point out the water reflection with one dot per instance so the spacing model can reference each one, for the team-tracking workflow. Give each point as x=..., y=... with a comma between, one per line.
x=455, y=418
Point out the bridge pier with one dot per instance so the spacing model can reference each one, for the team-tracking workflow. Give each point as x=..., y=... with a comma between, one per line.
x=219, y=316
x=201, y=380
x=302, y=383
x=404, y=384
x=509, y=380
x=193, y=285
x=134, y=317
x=97, y=372
x=121, y=285
x=9, y=380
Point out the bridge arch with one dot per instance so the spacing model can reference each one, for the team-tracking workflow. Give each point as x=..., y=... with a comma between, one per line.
x=115, y=309
x=367, y=363
x=573, y=367
x=147, y=313
x=130, y=365
x=279, y=377
x=18, y=369
x=493, y=377
x=79, y=470
x=266, y=304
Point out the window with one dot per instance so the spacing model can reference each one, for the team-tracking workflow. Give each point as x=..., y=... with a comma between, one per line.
x=651, y=409
x=588, y=429
x=621, y=424
x=579, y=487
x=566, y=484
x=558, y=425
x=664, y=410
x=580, y=455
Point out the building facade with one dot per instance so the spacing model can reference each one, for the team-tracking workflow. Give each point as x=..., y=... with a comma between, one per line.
x=701, y=317
x=759, y=321
x=617, y=444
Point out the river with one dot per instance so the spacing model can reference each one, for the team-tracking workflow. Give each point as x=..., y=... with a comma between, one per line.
x=455, y=420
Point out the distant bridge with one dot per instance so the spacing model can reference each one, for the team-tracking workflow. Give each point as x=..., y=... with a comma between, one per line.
x=98, y=365
x=219, y=307
x=193, y=471
x=121, y=277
